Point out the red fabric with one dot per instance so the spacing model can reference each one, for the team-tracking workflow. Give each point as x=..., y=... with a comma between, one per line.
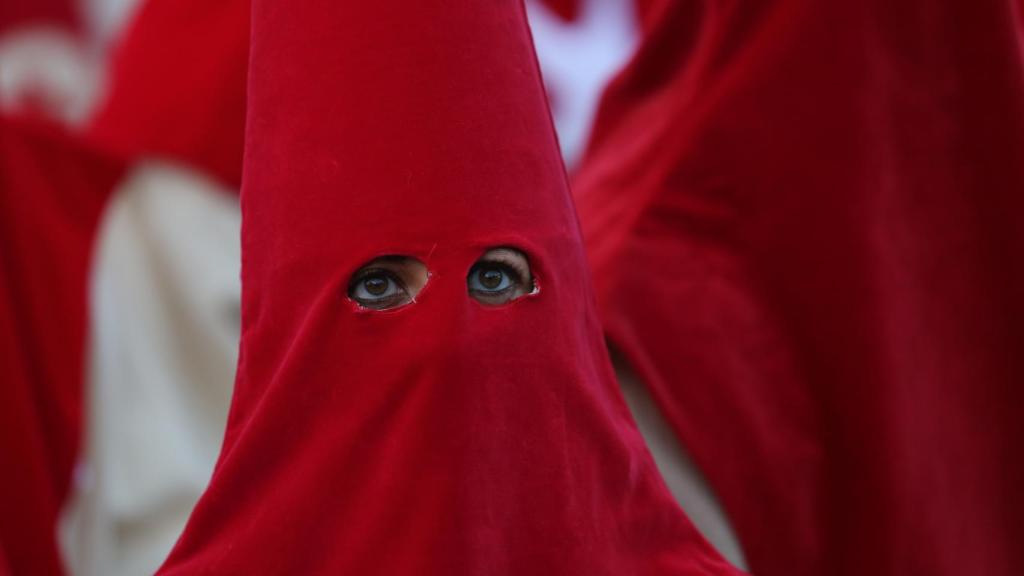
x=178, y=86
x=51, y=195
x=444, y=437
x=567, y=10
x=805, y=223
x=31, y=12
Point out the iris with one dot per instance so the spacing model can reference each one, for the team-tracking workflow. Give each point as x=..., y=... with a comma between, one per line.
x=377, y=286
x=500, y=276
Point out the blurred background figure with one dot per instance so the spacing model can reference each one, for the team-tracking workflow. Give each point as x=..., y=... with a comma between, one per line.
x=805, y=225
x=52, y=191
x=52, y=194
x=47, y=64
x=163, y=274
x=165, y=292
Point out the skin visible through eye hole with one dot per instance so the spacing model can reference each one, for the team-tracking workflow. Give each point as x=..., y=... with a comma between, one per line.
x=499, y=276
x=387, y=282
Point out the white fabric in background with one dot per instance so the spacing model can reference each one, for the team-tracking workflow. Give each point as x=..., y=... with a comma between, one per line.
x=49, y=68
x=578, y=59
x=165, y=306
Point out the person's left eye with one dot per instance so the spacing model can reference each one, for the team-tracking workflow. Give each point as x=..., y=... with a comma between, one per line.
x=491, y=278
x=388, y=282
x=500, y=276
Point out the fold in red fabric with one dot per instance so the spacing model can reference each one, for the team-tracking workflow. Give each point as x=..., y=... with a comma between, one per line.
x=52, y=191
x=177, y=88
x=446, y=436
x=14, y=13
x=805, y=224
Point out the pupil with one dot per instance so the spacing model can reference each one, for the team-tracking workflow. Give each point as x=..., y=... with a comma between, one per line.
x=376, y=286
x=491, y=278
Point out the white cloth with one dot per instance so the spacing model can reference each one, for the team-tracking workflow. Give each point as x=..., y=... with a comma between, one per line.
x=165, y=306
x=578, y=59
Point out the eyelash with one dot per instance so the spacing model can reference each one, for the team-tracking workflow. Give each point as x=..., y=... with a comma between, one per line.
x=364, y=274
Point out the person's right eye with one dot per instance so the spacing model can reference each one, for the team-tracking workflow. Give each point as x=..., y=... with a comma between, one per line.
x=388, y=282
x=378, y=289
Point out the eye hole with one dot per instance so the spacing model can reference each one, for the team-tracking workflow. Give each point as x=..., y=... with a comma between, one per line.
x=387, y=282
x=499, y=276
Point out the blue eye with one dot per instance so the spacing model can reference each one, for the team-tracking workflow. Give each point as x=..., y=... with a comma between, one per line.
x=490, y=278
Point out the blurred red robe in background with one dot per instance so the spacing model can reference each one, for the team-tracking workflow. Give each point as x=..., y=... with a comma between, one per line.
x=806, y=223
x=15, y=13
x=182, y=104
x=52, y=192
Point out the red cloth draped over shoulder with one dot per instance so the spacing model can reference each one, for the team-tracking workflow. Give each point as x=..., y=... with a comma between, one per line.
x=444, y=437
x=52, y=191
x=177, y=87
x=806, y=224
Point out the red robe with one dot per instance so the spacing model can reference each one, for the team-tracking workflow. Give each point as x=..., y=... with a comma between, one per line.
x=14, y=13
x=805, y=222
x=444, y=437
x=178, y=87
x=52, y=191
x=176, y=99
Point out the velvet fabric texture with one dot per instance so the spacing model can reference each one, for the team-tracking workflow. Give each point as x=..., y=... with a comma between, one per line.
x=444, y=437
x=52, y=191
x=805, y=224
x=177, y=88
